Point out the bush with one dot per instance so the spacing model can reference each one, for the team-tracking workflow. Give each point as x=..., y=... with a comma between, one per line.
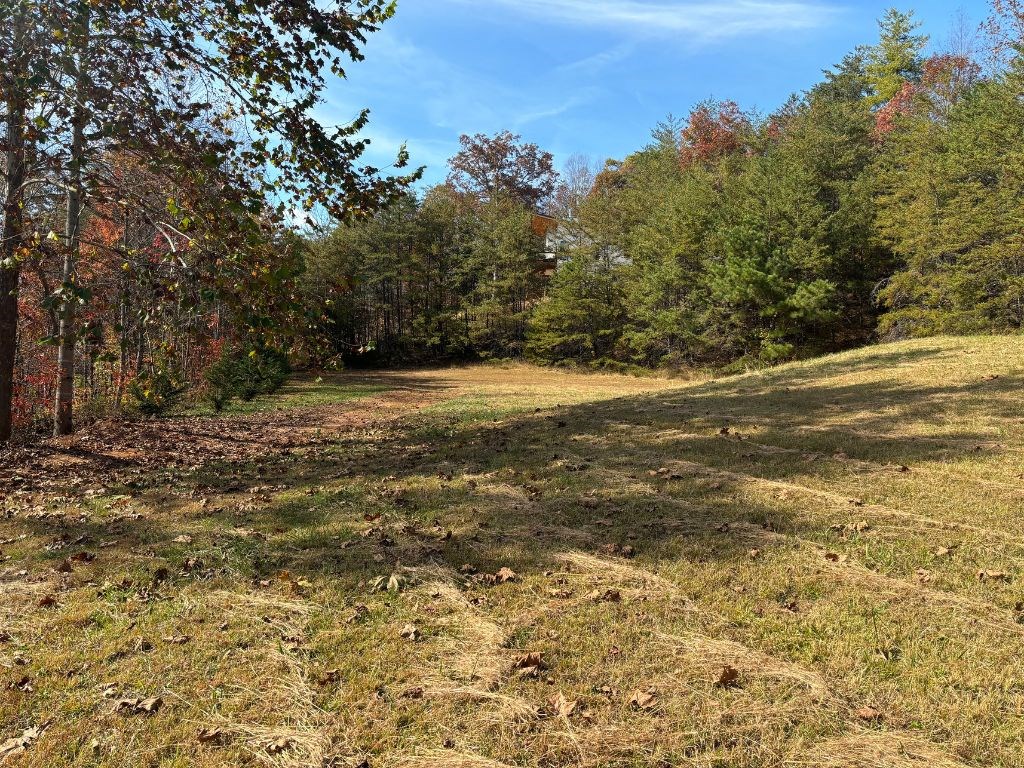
x=272, y=369
x=156, y=390
x=221, y=382
x=245, y=374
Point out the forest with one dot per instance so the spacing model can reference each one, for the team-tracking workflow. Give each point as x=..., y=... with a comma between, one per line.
x=162, y=167
x=883, y=203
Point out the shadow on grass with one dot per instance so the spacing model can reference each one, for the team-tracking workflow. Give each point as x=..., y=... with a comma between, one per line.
x=528, y=488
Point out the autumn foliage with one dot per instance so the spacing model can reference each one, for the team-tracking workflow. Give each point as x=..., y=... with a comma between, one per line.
x=714, y=131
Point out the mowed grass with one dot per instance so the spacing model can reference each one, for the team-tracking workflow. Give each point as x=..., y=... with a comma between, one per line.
x=299, y=392
x=818, y=565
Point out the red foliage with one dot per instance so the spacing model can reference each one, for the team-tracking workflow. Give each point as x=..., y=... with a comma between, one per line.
x=947, y=77
x=944, y=78
x=35, y=367
x=712, y=132
x=898, y=106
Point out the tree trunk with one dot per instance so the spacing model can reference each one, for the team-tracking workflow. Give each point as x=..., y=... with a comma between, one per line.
x=11, y=237
x=63, y=422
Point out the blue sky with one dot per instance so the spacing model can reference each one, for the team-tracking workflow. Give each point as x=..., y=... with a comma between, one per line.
x=593, y=76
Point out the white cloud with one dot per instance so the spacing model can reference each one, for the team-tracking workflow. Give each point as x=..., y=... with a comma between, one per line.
x=596, y=63
x=708, y=20
x=454, y=98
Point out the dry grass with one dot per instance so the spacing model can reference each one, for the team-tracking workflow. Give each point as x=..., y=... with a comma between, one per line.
x=817, y=529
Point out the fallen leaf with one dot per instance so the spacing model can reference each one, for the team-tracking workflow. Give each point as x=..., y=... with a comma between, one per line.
x=560, y=706
x=644, y=699
x=24, y=685
x=530, y=664
x=139, y=706
x=411, y=632
x=210, y=735
x=361, y=612
x=993, y=576
x=531, y=659
x=727, y=677
x=605, y=596
x=869, y=714
x=277, y=746
x=505, y=575
x=18, y=744
x=393, y=583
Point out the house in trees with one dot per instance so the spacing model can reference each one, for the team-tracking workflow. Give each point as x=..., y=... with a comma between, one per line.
x=558, y=237
x=546, y=228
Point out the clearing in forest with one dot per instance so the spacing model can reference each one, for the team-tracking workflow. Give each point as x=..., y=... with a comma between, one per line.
x=817, y=565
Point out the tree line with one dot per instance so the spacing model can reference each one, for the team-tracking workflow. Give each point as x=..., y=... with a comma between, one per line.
x=885, y=202
x=159, y=160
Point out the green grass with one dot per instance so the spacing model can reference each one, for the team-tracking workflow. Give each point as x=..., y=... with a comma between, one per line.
x=818, y=529
x=299, y=392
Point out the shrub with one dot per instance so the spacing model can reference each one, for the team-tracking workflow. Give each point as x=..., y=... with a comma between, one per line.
x=221, y=381
x=156, y=390
x=245, y=374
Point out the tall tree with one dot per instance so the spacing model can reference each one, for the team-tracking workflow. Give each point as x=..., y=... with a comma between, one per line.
x=896, y=58
x=216, y=96
x=490, y=167
x=951, y=206
x=22, y=72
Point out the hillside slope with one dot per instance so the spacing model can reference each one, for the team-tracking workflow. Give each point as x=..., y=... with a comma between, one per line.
x=816, y=565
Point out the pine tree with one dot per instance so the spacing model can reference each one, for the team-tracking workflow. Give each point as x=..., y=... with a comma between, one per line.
x=952, y=205
x=896, y=58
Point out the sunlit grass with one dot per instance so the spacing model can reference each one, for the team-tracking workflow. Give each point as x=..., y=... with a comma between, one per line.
x=299, y=392
x=845, y=535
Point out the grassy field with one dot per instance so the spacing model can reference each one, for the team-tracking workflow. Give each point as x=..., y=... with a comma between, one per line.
x=819, y=565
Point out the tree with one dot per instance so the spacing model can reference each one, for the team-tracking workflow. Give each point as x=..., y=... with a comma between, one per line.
x=713, y=131
x=209, y=94
x=951, y=206
x=581, y=318
x=500, y=276
x=503, y=166
x=21, y=65
x=897, y=57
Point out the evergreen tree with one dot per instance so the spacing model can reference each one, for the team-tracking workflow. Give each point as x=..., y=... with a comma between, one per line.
x=896, y=58
x=952, y=205
x=581, y=318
